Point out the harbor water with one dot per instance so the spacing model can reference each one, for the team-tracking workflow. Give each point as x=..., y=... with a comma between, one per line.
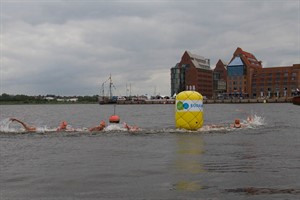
x=258, y=161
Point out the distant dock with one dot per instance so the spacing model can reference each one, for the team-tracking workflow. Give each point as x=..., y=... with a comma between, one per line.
x=208, y=101
x=153, y=101
x=278, y=100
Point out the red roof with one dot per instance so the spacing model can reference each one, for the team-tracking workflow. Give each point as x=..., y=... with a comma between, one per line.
x=248, y=58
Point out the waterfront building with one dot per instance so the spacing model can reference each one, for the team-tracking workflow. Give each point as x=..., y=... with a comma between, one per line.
x=193, y=72
x=246, y=77
x=277, y=82
x=219, y=79
x=243, y=77
x=239, y=73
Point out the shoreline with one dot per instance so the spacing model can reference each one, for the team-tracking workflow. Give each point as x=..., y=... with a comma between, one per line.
x=161, y=101
x=210, y=101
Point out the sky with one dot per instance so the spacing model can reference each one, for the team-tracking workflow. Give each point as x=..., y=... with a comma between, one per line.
x=66, y=48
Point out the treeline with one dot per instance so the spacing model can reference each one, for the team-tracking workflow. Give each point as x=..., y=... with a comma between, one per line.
x=48, y=99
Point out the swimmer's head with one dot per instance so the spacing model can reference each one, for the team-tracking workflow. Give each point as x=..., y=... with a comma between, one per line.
x=63, y=125
x=237, y=123
x=102, y=123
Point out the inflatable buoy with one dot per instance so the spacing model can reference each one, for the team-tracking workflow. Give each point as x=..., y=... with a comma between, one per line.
x=189, y=110
x=114, y=119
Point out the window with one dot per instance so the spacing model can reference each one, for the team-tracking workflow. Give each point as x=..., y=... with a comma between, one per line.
x=235, y=70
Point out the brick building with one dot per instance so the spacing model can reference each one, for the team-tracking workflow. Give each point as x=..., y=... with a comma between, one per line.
x=193, y=72
x=275, y=81
x=244, y=76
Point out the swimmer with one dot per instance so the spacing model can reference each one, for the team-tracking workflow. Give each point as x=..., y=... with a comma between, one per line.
x=98, y=128
x=237, y=124
x=64, y=127
x=131, y=128
x=26, y=127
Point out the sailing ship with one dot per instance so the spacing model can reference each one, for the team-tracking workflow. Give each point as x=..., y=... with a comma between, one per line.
x=107, y=99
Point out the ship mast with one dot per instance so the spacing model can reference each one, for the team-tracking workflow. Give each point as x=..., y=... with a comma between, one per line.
x=110, y=85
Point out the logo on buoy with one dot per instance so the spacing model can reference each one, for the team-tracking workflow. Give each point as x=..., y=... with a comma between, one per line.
x=181, y=105
x=189, y=105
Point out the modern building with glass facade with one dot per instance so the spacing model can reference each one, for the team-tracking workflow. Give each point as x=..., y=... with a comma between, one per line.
x=219, y=79
x=238, y=72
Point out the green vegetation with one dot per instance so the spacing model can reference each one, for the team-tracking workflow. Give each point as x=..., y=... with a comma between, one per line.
x=48, y=99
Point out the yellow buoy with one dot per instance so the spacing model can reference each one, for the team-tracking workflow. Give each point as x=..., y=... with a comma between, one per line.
x=189, y=110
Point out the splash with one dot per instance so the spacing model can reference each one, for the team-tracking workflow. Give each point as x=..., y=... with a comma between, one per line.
x=214, y=128
x=4, y=126
x=254, y=121
x=115, y=127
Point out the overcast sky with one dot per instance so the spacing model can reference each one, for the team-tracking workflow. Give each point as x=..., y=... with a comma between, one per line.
x=71, y=47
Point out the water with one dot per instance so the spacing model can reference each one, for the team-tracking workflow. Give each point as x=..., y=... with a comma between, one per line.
x=261, y=161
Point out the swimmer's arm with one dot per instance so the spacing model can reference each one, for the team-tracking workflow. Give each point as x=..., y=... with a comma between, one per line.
x=93, y=129
x=126, y=126
x=97, y=128
x=27, y=128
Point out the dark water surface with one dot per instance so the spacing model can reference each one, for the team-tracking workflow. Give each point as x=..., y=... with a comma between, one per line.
x=261, y=161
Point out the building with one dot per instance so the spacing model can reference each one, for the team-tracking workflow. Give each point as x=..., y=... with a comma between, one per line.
x=193, y=72
x=246, y=77
x=275, y=82
x=219, y=79
x=243, y=77
x=239, y=71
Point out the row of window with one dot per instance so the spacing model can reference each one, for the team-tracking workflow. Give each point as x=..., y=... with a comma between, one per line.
x=277, y=74
x=277, y=88
x=235, y=77
x=236, y=82
x=271, y=79
x=202, y=76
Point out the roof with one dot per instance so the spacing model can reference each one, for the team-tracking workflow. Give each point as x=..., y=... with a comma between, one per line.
x=199, y=61
x=248, y=58
x=224, y=63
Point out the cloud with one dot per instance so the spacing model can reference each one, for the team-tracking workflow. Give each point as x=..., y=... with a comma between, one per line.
x=71, y=47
